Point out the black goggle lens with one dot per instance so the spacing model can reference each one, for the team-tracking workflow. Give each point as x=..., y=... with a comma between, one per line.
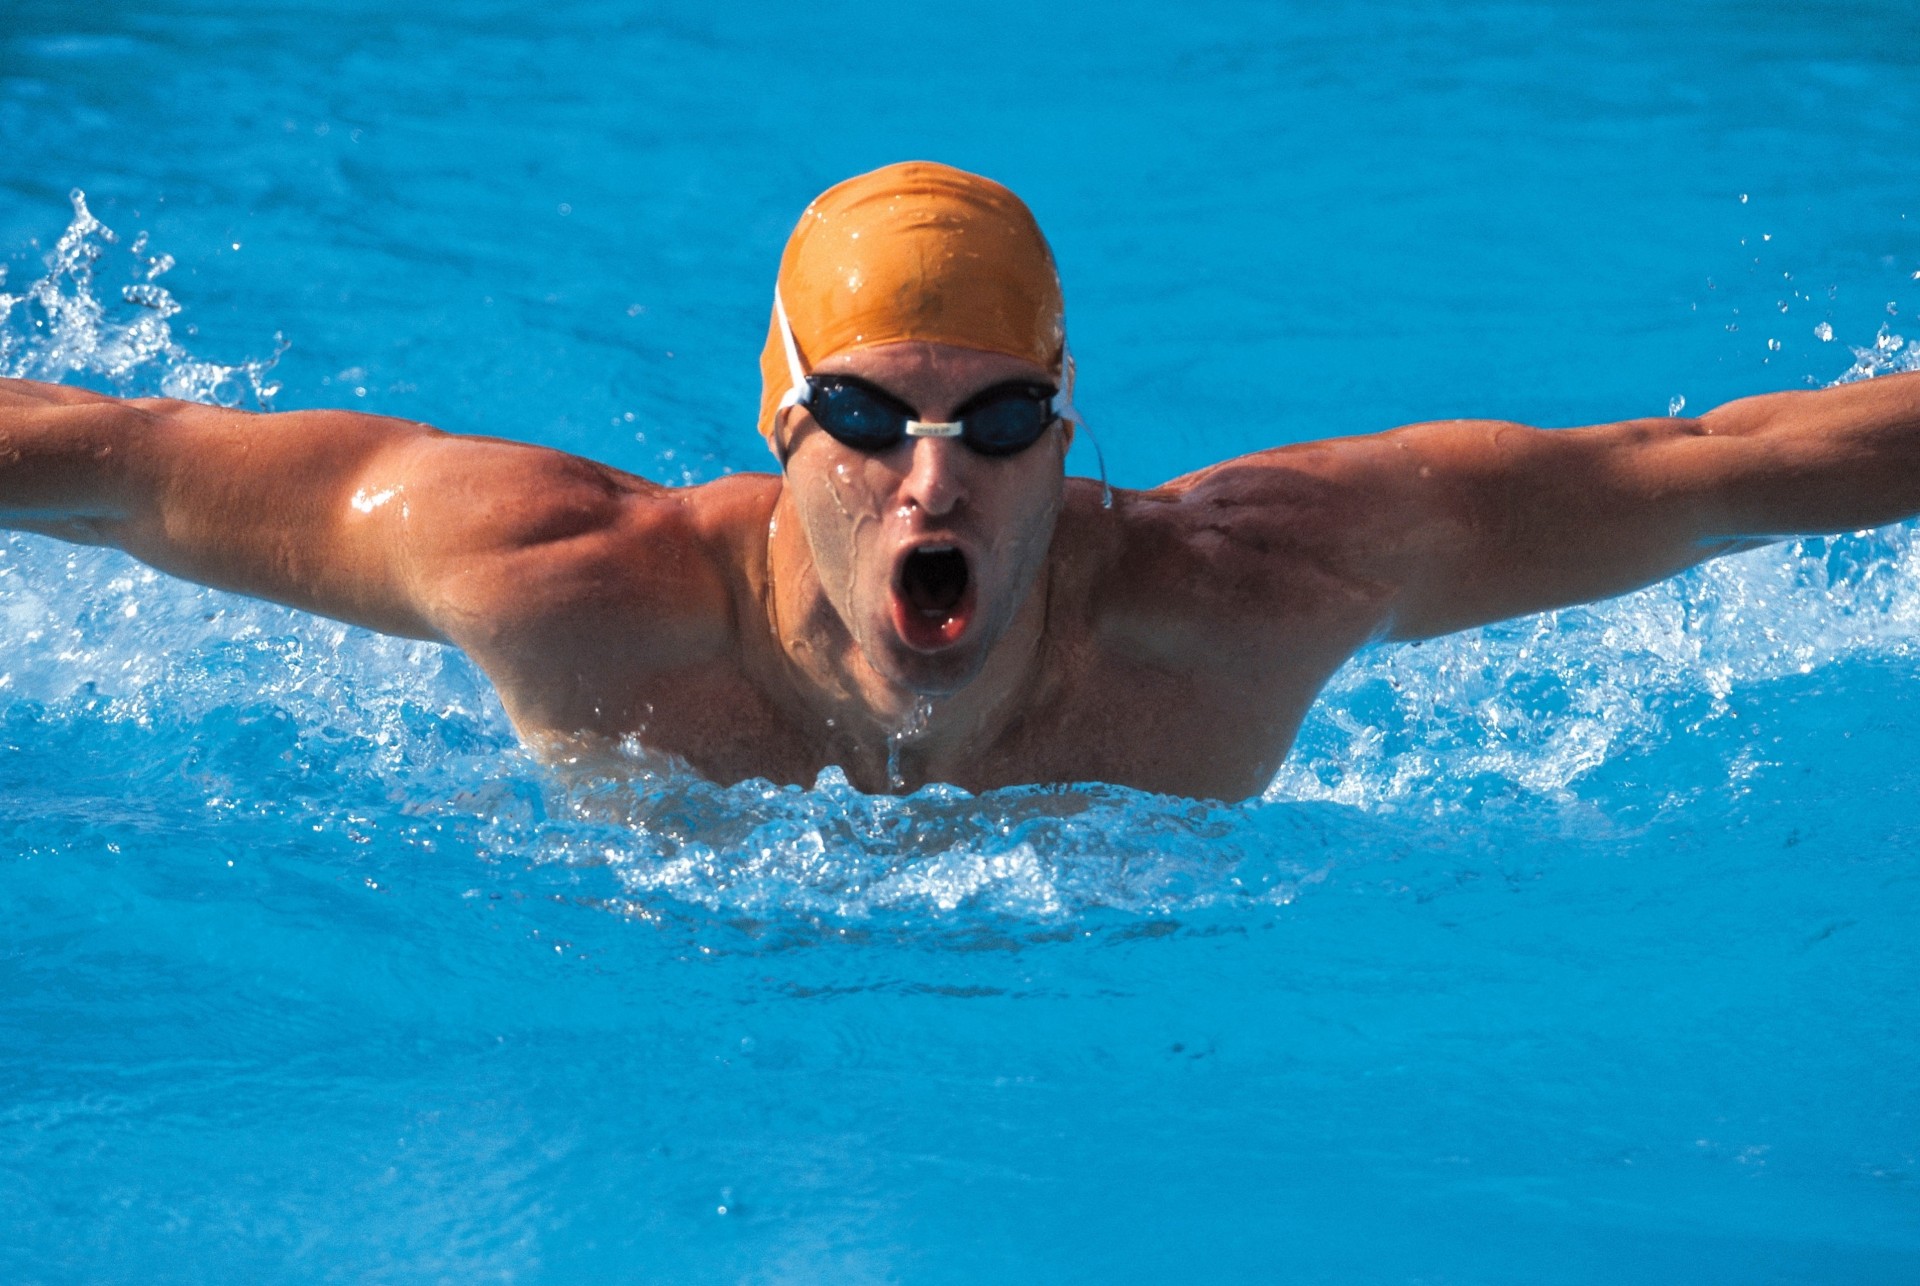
x=1008, y=421
x=857, y=415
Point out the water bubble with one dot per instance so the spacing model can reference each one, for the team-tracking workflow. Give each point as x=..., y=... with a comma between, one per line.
x=1773, y=345
x=1824, y=332
x=1676, y=404
x=1743, y=198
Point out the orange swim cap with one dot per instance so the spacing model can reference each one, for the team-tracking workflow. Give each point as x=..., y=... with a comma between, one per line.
x=914, y=251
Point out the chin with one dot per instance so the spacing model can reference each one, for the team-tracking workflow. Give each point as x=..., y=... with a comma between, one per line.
x=938, y=673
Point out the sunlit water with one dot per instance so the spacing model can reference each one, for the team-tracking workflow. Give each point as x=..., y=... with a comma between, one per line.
x=1577, y=948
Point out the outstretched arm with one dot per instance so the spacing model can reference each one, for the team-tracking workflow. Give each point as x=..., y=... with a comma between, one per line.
x=380, y=522
x=1455, y=524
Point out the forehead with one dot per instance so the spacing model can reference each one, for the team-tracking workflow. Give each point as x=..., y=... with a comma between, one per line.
x=926, y=372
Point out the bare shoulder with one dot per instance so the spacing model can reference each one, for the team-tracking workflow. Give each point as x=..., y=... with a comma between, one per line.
x=532, y=553
x=1239, y=538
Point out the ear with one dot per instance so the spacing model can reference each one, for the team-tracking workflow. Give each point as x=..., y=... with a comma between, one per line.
x=777, y=437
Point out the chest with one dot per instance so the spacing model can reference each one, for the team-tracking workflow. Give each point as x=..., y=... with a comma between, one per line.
x=1101, y=717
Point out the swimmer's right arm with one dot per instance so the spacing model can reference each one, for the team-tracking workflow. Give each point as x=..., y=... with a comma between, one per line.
x=380, y=522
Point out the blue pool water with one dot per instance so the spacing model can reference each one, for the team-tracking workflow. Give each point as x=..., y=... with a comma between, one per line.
x=1577, y=949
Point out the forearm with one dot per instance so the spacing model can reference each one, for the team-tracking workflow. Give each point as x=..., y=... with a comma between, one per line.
x=64, y=456
x=1834, y=459
x=1474, y=521
x=263, y=504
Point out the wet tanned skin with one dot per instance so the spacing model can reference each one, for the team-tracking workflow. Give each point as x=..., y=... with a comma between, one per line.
x=1172, y=642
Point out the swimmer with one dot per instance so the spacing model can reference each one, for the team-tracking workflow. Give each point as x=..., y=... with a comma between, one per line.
x=921, y=593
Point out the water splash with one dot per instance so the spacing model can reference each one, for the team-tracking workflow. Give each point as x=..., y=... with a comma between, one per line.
x=65, y=327
x=1532, y=706
x=912, y=728
x=1888, y=355
x=241, y=709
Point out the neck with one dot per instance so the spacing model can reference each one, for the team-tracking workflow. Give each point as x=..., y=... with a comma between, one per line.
x=885, y=733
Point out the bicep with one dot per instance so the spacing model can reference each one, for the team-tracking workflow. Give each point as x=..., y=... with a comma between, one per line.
x=283, y=507
x=361, y=518
x=1480, y=521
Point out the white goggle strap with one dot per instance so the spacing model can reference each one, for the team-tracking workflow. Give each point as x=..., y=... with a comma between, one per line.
x=1064, y=408
x=1063, y=400
x=797, y=390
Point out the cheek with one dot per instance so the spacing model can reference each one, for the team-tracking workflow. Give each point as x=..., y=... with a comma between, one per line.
x=1022, y=526
x=843, y=510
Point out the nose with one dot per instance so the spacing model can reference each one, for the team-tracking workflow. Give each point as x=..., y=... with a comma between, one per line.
x=935, y=481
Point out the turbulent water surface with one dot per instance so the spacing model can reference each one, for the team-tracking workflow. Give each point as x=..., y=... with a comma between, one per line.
x=1577, y=948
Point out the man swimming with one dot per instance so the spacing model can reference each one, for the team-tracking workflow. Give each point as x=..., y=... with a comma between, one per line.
x=922, y=583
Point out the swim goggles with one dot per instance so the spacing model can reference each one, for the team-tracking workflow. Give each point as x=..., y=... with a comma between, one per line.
x=1003, y=420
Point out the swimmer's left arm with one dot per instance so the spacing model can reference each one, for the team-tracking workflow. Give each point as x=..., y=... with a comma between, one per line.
x=1441, y=527
x=1512, y=520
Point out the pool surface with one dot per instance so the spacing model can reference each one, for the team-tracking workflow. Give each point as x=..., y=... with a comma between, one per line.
x=1578, y=949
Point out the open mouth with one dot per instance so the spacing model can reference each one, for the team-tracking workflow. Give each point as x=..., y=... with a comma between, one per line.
x=933, y=599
